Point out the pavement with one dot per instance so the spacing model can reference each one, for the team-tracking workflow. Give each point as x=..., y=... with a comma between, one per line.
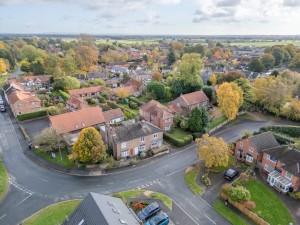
x=33, y=187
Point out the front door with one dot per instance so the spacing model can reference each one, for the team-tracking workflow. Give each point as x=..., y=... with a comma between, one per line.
x=131, y=152
x=240, y=154
x=136, y=150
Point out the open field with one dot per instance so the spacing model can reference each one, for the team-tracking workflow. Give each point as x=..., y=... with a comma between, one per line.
x=265, y=43
x=120, y=41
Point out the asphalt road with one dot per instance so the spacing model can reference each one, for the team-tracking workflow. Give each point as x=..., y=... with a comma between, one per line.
x=33, y=187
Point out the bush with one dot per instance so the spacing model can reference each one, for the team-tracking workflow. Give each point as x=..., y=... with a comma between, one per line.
x=137, y=206
x=91, y=101
x=159, y=150
x=32, y=115
x=177, y=142
x=112, y=105
x=105, y=95
x=292, y=131
x=197, y=135
x=239, y=194
x=133, y=105
x=25, y=133
x=128, y=114
x=226, y=188
x=101, y=99
x=249, y=204
x=188, y=139
x=138, y=102
x=65, y=96
x=104, y=107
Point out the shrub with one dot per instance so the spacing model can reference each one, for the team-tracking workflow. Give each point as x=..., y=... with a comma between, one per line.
x=143, y=154
x=188, y=139
x=134, y=99
x=133, y=105
x=104, y=107
x=105, y=95
x=239, y=194
x=197, y=135
x=176, y=142
x=128, y=114
x=32, y=115
x=25, y=133
x=226, y=188
x=292, y=131
x=159, y=150
x=65, y=96
x=90, y=101
x=112, y=105
x=282, y=139
x=137, y=206
x=249, y=204
x=101, y=99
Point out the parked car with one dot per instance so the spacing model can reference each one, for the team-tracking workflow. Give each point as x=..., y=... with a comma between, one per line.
x=2, y=108
x=1, y=102
x=159, y=219
x=231, y=174
x=148, y=211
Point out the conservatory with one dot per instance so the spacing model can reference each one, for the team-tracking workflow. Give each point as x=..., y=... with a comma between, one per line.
x=279, y=182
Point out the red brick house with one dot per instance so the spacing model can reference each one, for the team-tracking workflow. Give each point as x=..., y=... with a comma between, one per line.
x=157, y=114
x=75, y=103
x=89, y=92
x=130, y=140
x=250, y=150
x=282, y=164
x=185, y=103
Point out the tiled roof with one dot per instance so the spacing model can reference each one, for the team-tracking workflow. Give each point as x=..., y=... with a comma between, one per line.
x=287, y=155
x=154, y=107
x=133, y=131
x=194, y=98
x=129, y=89
x=263, y=141
x=89, y=90
x=98, y=209
x=76, y=102
x=15, y=96
x=113, y=114
x=136, y=84
x=72, y=121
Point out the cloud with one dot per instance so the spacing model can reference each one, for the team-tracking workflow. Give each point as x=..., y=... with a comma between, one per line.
x=152, y=17
x=200, y=19
x=291, y=3
x=228, y=3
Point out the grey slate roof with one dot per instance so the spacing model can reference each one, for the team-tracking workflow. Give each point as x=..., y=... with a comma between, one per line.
x=263, y=141
x=98, y=209
x=133, y=131
x=287, y=155
x=95, y=75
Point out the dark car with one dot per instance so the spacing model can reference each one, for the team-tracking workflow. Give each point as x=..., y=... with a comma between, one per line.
x=159, y=219
x=2, y=108
x=231, y=174
x=148, y=211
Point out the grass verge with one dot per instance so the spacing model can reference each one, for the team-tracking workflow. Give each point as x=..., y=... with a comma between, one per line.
x=165, y=199
x=216, y=122
x=57, y=160
x=3, y=180
x=248, y=116
x=190, y=180
x=53, y=214
x=268, y=206
x=230, y=215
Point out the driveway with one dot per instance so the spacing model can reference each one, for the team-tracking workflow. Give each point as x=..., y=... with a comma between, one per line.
x=34, y=127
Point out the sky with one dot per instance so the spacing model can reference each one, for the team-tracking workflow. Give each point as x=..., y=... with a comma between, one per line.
x=151, y=17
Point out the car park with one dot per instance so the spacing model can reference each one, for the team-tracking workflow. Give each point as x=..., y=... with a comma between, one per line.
x=231, y=174
x=149, y=211
x=159, y=219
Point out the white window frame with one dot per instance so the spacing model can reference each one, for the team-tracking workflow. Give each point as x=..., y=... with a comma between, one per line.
x=154, y=144
x=268, y=168
x=248, y=157
x=142, y=147
x=269, y=158
x=251, y=149
x=142, y=139
x=168, y=120
x=155, y=136
x=123, y=145
x=287, y=177
x=125, y=153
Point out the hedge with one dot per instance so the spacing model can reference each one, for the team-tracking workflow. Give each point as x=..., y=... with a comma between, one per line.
x=292, y=131
x=197, y=135
x=134, y=99
x=32, y=115
x=178, y=142
x=64, y=95
x=283, y=139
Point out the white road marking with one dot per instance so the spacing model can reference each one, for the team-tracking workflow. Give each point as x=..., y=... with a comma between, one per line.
x=210, y=219
x=2, y=216
x=187, y=213
x=24, y=199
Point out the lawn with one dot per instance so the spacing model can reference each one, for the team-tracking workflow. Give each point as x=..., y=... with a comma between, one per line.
x=179, y=133
x=266, y=43
x=133, y=111
x=190, y=178
x=57, y=160
x=52, y=215
x=127, y=41
x=230, y=215
x=231, y=162
x=268, y=206
x=149, y=194
x=3, y=78
x=216, y=122
x=3, y=179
